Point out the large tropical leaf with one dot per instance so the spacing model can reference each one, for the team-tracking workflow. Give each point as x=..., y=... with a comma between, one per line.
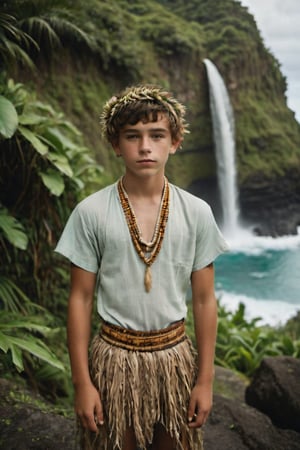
x=12, y=230
x=37, y=144
x=53, y=181
x=17, y=321
x=34, y=346
x=16, y=353
x=61, y=162
x=31, y=118
x=18, y=334
x=8, y=118
x=60, y=140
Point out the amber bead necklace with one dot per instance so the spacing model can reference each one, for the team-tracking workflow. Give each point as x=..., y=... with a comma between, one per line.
x=147, y=251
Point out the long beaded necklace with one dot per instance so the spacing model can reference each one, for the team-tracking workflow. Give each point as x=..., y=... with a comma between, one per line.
x=150, y=248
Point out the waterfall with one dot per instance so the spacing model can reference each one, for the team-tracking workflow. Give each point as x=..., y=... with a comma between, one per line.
x=224, y=140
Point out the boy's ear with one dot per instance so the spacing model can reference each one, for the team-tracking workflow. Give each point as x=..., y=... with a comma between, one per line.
x=116, y=148
x=175, y=145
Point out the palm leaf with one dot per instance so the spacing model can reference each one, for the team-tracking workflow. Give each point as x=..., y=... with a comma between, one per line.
x=14, y=42
x=41, y=30
x=34, y=346
x=16, y=335
x=12, y=298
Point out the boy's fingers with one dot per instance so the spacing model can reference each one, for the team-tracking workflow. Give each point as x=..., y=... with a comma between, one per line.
x=197, y=421
x=191, y=411
x=88, y=421
x=192, y=418
x=99, y=414
x=91, y=424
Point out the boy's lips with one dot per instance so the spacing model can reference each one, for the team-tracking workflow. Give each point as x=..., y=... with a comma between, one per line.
x=146, y=161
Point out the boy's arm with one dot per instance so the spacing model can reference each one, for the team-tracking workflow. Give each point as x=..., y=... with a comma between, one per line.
x=87, y=401
x=205, y=320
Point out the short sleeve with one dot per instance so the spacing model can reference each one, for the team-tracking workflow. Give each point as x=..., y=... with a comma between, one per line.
x=210, y=242
x=79, y=241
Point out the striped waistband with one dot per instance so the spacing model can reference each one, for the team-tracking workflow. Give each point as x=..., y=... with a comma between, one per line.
x=143, y=341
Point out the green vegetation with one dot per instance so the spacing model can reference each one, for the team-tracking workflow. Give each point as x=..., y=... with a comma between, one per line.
x=45, y=169
x=242, y=344
x=59, y=62
x=41, y=179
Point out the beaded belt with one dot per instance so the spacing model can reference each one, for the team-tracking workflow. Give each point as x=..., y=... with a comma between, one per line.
x=143, y=341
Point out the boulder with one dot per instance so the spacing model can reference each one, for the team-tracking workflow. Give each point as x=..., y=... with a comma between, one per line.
x=236, y=426
x=275, y=391
x=27, y=422
x=230, y=384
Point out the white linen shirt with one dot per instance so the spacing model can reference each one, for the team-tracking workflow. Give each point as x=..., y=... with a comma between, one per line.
x=96, y=238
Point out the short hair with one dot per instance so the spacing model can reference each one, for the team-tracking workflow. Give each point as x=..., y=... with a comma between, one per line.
x=142, y=103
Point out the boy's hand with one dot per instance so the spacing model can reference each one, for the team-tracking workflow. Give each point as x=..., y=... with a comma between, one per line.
x=88, y=406
x=200, y=405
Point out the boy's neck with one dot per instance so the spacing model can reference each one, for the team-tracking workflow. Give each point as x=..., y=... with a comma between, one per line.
x=144, y=186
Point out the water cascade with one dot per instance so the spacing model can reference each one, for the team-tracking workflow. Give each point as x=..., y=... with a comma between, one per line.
x=224, y=140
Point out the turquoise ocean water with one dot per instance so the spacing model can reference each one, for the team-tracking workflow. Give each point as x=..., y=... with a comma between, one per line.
x=264, y=274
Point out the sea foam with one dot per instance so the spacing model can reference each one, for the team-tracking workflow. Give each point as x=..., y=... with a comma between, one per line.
x=270, y=312
x=244, y=241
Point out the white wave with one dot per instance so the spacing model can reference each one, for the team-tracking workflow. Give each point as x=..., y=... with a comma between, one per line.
x=258, y=275
x=271, y=312
x=244, y=241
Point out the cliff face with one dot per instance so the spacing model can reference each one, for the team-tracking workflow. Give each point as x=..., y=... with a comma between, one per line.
x=165, y=42
x=272, y=206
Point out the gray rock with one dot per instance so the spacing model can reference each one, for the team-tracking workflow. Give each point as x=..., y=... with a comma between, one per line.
x=275, y=391
x=27, y=422
x=237, y=426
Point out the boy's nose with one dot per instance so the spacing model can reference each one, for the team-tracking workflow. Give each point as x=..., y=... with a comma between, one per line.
x=145, y=145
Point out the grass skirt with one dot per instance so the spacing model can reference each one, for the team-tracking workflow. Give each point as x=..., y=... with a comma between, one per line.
x=141, y=390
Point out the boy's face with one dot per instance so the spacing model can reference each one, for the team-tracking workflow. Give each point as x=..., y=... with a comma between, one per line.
x=145, y=147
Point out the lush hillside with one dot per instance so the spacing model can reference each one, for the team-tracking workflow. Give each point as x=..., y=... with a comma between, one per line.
x=165, y=42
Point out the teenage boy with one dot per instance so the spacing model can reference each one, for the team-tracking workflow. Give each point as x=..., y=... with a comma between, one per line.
x=139, y=243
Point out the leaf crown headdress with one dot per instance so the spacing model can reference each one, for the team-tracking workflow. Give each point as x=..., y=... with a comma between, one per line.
x=120, y=110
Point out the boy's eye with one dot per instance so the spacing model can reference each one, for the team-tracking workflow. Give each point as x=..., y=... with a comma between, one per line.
x=132, y=136
x=136, y=136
